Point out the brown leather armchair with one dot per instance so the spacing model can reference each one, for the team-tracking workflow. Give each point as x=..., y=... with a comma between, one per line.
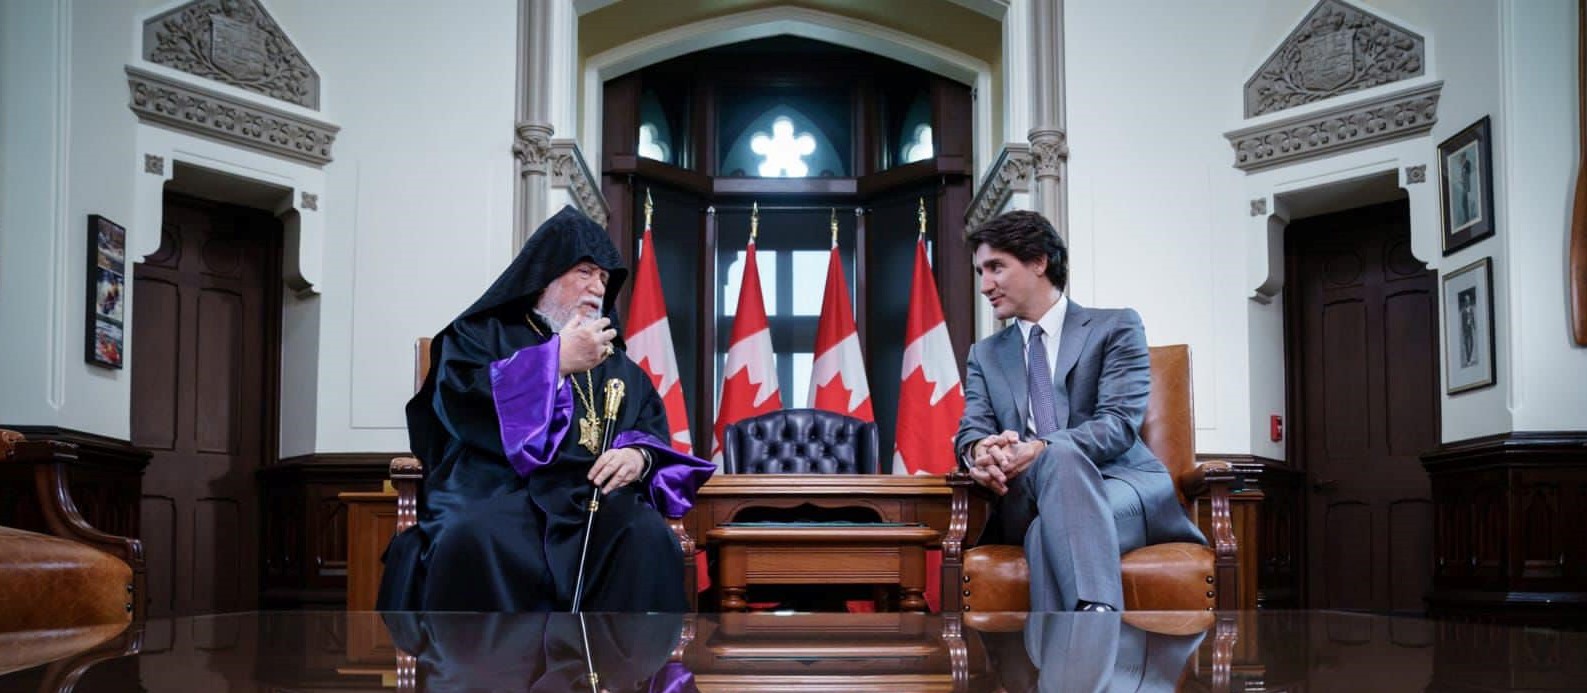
x=78, y=578
x=1160, y=577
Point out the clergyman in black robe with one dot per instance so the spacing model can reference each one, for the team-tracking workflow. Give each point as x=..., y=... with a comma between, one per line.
x=507, y=424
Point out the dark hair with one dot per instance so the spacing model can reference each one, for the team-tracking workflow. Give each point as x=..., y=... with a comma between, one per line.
x=1028, y=236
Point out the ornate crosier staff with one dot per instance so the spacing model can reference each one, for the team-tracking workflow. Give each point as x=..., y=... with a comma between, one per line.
x=614, y=401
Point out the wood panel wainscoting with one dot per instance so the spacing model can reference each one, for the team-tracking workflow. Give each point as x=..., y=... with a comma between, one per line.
x=1508, y=512
x=305, y=562
x=106, y=482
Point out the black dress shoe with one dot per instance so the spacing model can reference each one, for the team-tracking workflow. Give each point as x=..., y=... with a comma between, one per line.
x=1084, y=605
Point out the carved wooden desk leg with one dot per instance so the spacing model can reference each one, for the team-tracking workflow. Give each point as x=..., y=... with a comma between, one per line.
x=912, y=579
x=733, y=576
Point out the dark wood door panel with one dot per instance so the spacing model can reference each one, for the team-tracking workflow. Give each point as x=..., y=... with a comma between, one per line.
x=204, y=391
x=1362, y=349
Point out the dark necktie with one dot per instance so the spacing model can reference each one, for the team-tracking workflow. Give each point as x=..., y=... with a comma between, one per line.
x=1039, y=379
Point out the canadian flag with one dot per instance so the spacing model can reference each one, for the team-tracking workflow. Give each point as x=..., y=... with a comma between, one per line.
x=930, y=399
x=837, y=378
x=749, y=380
x=650, y=343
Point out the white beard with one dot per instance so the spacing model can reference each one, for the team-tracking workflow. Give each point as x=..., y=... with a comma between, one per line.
x=555, y=318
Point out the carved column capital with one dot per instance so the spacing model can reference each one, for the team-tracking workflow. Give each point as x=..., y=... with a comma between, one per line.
x=1049, y=150
x=1008, y=175
x=532, y=147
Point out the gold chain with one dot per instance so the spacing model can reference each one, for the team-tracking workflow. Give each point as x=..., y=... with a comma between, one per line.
x=590, y=426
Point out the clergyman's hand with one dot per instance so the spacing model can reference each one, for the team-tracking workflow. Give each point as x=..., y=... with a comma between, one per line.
x=585, y=343
x=616, y=468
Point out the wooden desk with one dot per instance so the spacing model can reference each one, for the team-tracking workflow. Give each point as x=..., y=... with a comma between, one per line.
x=925, y=500
x=371, y=522
x=812, y=555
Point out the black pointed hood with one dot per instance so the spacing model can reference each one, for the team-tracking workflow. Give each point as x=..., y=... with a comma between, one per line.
x=561, y=242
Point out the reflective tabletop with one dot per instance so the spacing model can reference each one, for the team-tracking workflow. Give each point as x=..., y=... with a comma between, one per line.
x=270, y=651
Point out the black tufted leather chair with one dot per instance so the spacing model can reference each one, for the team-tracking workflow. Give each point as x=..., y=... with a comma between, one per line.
x=800, y=441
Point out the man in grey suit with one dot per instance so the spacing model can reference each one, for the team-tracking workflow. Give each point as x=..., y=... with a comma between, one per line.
x=1052, y=416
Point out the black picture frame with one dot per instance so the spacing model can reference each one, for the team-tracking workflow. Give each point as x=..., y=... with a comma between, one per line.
x=1465, y=166
x=1470, y=357
x=105, y=293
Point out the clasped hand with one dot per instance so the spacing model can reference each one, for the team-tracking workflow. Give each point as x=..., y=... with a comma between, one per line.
x=616, y=468
x=585, y=343
x=998, y=458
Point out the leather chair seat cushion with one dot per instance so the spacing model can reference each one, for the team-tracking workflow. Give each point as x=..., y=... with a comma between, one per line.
x=1169, y=577
x=31, y=648
x=49, y=583
x=1161, y=577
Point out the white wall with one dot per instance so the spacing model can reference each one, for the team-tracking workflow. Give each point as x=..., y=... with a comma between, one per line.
x=1156, y=208
x=413, y=220
x=1548, y=385
x=418, y=204
x=34, y=232
x=1159, y=218
x=68, y=153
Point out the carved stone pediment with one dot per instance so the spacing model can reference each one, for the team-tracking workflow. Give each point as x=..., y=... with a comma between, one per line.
x=1338, y=48
x=235, y=42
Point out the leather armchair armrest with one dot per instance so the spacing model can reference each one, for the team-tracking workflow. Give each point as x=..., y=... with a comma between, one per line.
x=690, y=576
x=953, y=541
x=49, y=459
x=1216, y=479
x=1207, y=475
x=406, y=473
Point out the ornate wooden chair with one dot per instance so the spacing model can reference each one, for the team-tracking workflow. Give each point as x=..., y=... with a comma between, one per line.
x=1160, y=577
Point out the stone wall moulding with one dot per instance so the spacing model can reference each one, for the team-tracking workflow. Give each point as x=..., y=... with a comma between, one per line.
x=568, y=170
x=1011, y=173
x=1393, y=116
x=202, y=111
x=235, y=42
x=1336, y=49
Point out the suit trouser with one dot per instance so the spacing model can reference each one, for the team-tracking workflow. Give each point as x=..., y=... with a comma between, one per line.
x=1077, y=525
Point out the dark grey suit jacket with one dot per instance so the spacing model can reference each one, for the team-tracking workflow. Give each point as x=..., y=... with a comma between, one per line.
x=1101, y=382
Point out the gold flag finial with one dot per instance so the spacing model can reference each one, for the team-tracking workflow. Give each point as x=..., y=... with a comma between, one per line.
x=921, y=214
x=834, y=227
x=649, y=207
x=754, y=221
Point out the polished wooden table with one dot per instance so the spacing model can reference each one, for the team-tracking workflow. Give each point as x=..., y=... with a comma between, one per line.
x=1193, y=651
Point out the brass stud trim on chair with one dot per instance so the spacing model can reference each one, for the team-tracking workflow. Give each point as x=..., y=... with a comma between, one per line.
x=967, y=593
x=1209, y=594
x=966, y=579
x=1209, y=579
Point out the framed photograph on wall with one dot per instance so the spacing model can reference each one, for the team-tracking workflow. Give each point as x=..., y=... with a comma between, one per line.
x=1465, y=165
x=1468, y=327
x=106, y=291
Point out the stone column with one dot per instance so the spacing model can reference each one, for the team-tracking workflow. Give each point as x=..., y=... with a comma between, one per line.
x=532, y=134
x=1049, y=148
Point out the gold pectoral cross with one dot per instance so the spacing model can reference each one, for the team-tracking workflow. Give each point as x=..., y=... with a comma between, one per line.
x=590, y=433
